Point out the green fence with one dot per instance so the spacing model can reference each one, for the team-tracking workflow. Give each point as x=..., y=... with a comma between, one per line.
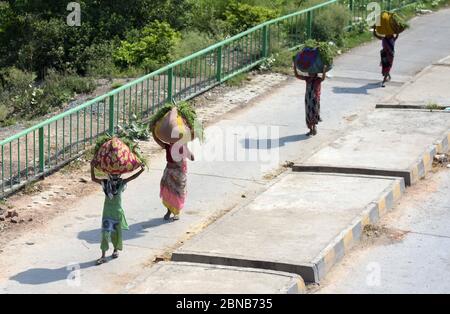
x=47, y=146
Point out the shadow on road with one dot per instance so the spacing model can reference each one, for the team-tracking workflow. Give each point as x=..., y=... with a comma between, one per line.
x=136, y=231
x=41, y=276
x=363, y=90
x=267, y=144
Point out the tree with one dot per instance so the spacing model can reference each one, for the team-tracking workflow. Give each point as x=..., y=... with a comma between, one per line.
x=149, y=48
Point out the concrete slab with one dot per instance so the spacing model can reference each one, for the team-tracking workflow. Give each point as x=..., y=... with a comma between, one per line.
x=411, y=256
x=190, y=278
x=445, y=61
x=399, y=142
x=421, y=91
x=292, y=227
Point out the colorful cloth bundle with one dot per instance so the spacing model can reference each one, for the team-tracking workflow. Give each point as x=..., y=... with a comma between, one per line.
x=172, y=123
x=314, y=56
x=115, y=157
x=172, y=127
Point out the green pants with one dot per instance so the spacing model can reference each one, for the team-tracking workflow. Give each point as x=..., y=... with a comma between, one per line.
x=112, y=236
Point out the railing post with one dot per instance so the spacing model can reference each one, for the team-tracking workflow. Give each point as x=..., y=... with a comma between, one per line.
x=350, y=7
x=219, y=65
x=170, y=85
x=265, y=41
x=41, y=150
x=309, y=17
x=111, y=115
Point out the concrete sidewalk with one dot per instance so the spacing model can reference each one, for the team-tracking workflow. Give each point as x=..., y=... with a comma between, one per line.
x=388, y=142
x=303, y=224
x=60, y=257
x=190, y=278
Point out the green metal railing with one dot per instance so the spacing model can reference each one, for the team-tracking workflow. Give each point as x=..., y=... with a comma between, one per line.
x=49, y=145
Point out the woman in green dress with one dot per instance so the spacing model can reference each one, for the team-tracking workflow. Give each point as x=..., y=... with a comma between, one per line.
x=113, y=220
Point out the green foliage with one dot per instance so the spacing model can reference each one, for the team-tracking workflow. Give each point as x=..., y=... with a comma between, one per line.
x=26, y=99
x=134, y=130
x=329, y=23
x=186, y=111
x=241, y=16
x=159, y=115
x=237, y=80
x=149, y=48
x=191, y=42
x=327, y=51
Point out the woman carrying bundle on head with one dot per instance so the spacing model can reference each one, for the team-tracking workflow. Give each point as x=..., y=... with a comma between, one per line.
x=173, y=127
x=315, y=59
x=114, y=158
x=387, y=54
x=388, y=30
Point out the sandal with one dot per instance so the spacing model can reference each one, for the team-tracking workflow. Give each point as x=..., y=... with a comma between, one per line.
x=101, y=261
x=176, y=217
x=115, y=255
x=167, y=216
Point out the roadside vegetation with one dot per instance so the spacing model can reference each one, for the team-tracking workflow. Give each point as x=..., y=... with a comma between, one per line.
x=44, y=63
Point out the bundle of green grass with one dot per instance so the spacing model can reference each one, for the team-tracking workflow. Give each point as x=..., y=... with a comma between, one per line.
x=399, y=24
x=326, y=50
x=187, y=114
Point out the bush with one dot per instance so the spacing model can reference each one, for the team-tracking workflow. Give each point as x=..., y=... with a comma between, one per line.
x=329, y=24
x=241, y=16
x=58, y=89
x=4, y=113
x=191, y=42
x=21, y=97
x=149, y=48
x=18, y=90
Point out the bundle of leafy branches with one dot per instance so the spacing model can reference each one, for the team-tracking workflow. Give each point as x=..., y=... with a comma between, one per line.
x=186, y=111
x=132, y=144
x=399, y=22
x=327, y=51
x=134, y=130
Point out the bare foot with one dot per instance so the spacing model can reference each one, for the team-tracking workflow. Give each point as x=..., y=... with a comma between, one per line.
x=167, y=216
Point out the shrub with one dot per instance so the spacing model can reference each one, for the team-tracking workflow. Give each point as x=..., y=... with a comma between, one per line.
x=100, y=61
x=4, y=113
x=329, y=24
x=148, y=48
x=191, y=42
x=241, y=16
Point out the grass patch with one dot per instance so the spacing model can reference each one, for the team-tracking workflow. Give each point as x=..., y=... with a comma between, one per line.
x=238, y=80
x=433, y=106
x=116, y=85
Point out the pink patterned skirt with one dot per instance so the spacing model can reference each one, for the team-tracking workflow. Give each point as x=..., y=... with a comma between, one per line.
x=173, y=186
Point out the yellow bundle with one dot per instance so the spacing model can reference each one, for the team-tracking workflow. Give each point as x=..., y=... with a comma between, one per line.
x=390, y=24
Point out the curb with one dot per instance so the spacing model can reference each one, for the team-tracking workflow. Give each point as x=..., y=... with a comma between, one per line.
x=295, y=285
x=412, y=175
x=342, y=244
x=443, y=145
